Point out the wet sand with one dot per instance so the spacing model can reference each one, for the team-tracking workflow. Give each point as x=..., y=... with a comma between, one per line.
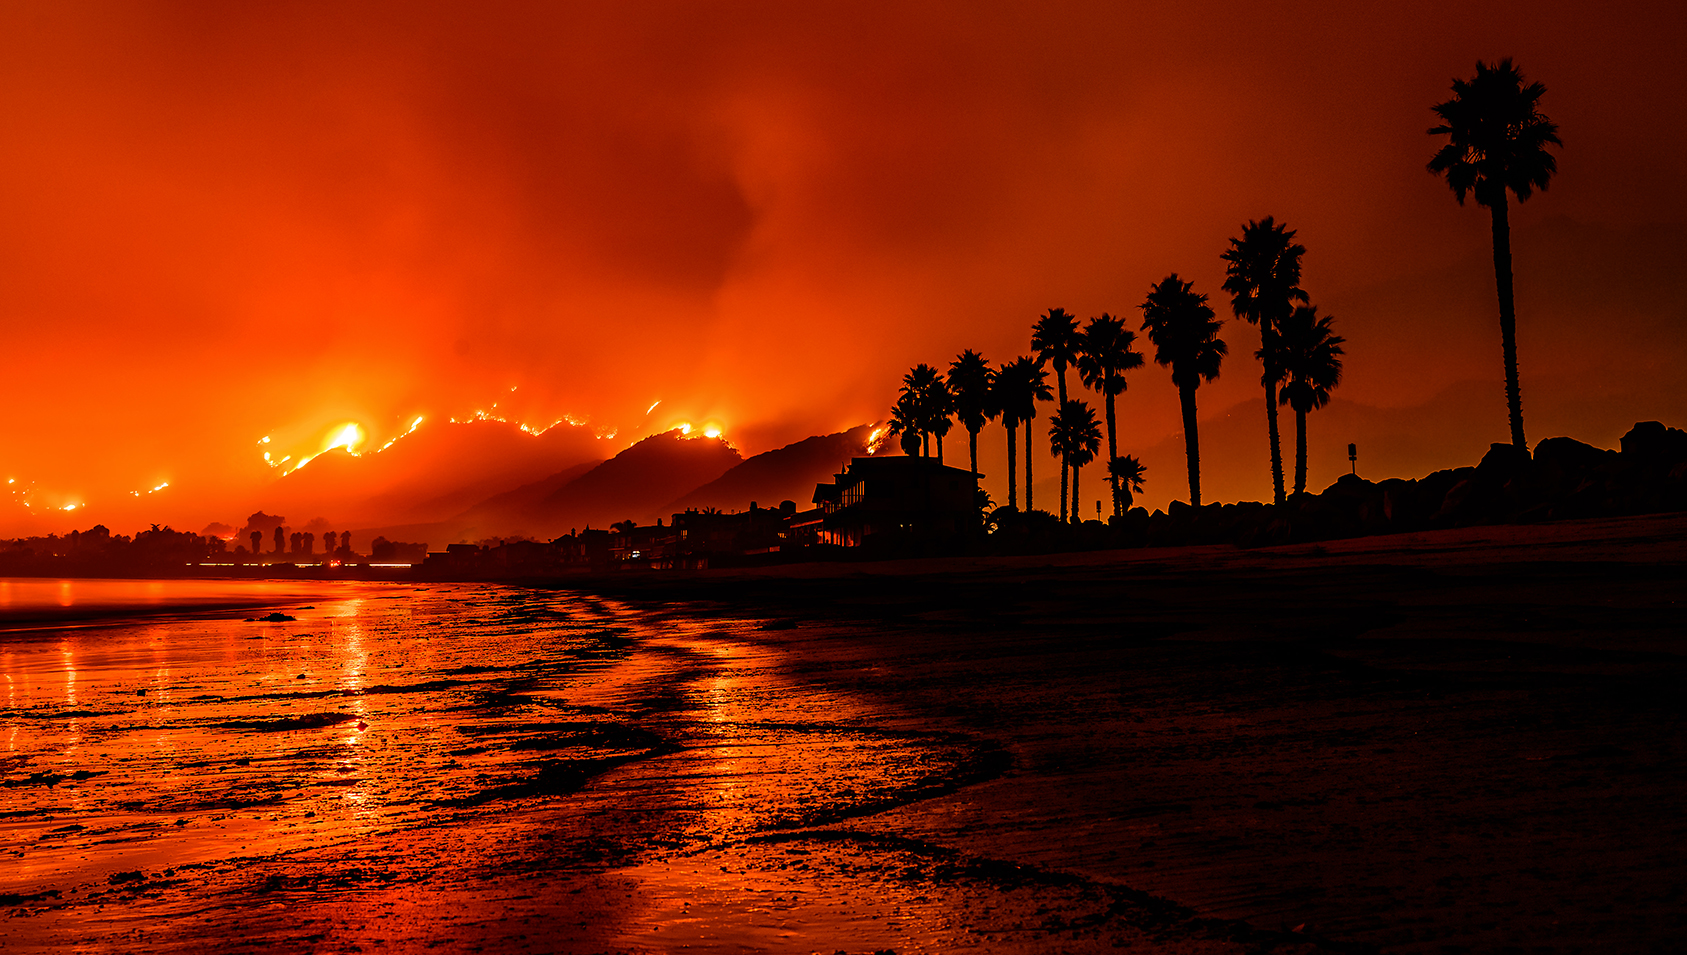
x=1463, y=741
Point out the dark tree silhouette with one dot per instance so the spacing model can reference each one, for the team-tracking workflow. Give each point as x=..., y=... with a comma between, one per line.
x=1105, y=355
x=1074, y=437
x=1497, y=140
x=1128, y=471
x=910, y=443
x=904, y=423
x=328, y=539
x=925, y=406
x=970, y=378
x=280, y=539
x=257, y=544
x=1185, y=335
x=1001, y=396
x=1054, y=340
x=1263, y=279
x=1310, y=353
x=1022, y=382
x=937, y=410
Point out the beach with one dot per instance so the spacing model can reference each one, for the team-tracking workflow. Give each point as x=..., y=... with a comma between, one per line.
x=1458, y=740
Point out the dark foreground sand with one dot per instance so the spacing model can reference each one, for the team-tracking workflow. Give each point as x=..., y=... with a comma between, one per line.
x=1458, y=741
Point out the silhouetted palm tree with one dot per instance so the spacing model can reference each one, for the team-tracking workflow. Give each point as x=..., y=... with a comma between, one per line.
x=1020, y=384
x=1311, y=356
x=1264, y=283
x=1105, y=356
x=1001, y=395
x=939, y=408
x=916, y=384
x=925, y=406
x=904, y=424
x=1075, y=437
x=970, y=378
x=1128, y=471
x=1054, y=340
x=1497, y=141
x=1185, y=335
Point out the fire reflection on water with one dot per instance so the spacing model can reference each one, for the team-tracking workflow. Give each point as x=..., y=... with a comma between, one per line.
x=428, y=732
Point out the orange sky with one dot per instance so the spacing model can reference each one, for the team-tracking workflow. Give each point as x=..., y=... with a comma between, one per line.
x=221, y=221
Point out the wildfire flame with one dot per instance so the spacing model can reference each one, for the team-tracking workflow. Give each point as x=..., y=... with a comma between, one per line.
x=349, y=436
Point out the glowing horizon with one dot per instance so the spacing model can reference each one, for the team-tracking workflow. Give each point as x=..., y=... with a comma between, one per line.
x=766, y=220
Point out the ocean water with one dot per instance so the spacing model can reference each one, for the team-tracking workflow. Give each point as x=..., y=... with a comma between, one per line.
x=183, y=774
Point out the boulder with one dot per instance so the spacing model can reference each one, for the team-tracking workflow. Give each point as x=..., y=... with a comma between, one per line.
x=1502, y=463
x=1651, y=442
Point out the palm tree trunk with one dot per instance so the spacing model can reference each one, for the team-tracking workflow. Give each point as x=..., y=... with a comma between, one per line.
x=1060, y=372
x=1075, y=518
x=1300, y=451
x=1508, y=318
x=938, y=440
x=1112, y=452
x=1028, y=456
x=972, y=446
x=1268, y=344
x=1065, y=472
x=1013, y=467
x=1191, y=444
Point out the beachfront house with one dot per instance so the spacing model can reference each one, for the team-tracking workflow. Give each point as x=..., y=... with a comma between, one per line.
x=891, y=501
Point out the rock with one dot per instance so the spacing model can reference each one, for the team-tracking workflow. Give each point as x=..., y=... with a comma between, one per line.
x=1568, y=454
x=1502, y=463
x=1651, y=442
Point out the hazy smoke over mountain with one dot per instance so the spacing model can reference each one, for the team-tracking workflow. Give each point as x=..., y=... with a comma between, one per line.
x=231, y=222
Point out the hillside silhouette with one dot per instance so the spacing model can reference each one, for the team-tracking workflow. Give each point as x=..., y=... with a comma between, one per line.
x=432, y=474
x=788, y=473
x=629, y=485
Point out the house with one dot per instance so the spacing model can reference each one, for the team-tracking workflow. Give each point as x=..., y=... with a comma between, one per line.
x=891, y=501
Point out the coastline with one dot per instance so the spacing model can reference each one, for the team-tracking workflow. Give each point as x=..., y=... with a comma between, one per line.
x=1452, y=741
x=1420, y=744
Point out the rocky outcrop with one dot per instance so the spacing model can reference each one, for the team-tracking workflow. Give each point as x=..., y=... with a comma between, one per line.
x=1563, y=479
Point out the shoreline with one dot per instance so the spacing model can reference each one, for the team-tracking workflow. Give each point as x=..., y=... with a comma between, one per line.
x=1412, y=745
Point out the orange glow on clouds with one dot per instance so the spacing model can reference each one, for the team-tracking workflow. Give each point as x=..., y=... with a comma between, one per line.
x=237, y=219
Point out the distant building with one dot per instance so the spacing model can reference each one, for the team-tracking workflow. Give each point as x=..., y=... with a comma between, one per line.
x=696, y=539
x=891, y=501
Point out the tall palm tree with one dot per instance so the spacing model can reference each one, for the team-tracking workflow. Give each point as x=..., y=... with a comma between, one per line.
x=1497, y=139
x=1185, y=335
x=1104, y=357
x=1021, y=383
x=970, y=377
x=1003, y=397
x=1054, y=340
x=929, y=405
x=939, y=406
x=1311, y=356
x=1263, y=279
x=1075, y=436
x=1128, y=471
